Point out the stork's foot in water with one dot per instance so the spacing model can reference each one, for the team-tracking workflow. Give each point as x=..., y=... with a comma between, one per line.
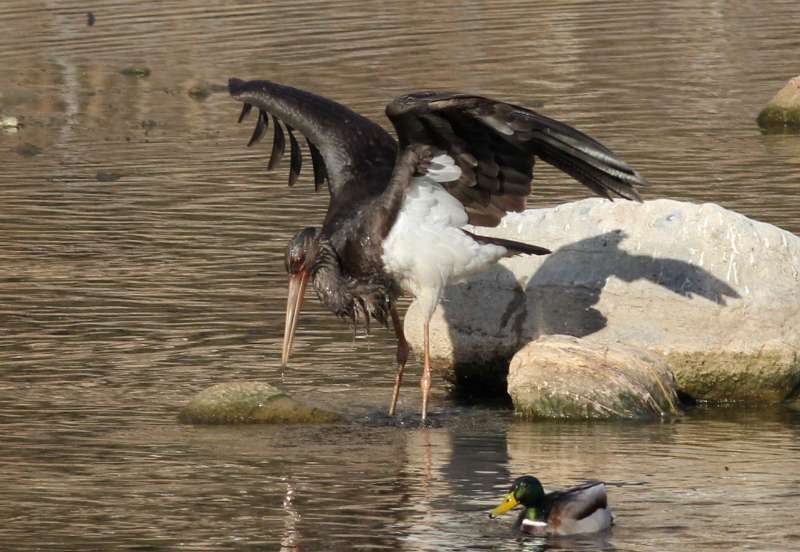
x=411, y=420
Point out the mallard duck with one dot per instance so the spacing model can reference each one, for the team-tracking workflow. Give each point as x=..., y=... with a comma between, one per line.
x=581, y=509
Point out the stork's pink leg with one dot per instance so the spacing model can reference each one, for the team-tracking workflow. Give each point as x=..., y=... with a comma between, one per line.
x=402, y=356
x=425, y=382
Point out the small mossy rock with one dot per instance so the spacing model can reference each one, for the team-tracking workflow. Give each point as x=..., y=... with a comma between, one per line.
x=28, y=150
x=135, y=72
x=717, y=376
x=793, y=405
x=560, y=376
x=782, y=112
x=250, y=403
x=108, y=176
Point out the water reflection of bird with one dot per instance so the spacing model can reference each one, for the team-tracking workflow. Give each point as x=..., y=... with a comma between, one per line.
x=396, y=214
x=581, y=509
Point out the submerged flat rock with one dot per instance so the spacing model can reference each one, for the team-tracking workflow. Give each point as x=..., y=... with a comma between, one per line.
x=717, y=293
x=247, y=402
x=560, y=376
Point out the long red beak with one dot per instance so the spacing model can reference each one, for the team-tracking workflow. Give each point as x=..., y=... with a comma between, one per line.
x=297, y=289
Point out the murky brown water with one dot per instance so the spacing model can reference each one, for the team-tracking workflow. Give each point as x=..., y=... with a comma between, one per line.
x=141, y=262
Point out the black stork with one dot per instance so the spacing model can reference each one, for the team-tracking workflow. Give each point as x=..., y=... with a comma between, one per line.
x=397, y=210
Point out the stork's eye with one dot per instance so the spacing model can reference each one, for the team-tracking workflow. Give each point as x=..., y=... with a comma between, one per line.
x=297, y=265
x=293, y=262
x=297, y=249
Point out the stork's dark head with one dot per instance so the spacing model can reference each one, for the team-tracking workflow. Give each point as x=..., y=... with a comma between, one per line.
x=300, y=255
x=300, y=250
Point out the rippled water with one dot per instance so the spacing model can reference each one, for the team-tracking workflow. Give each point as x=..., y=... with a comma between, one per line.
x=141, y=262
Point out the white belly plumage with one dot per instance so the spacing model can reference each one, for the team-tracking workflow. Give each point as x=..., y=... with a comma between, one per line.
x=426, y=249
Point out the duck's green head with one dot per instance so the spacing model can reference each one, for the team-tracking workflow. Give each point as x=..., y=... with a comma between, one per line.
x=526, y=490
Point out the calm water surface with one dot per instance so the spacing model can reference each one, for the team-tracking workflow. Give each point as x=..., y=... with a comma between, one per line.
x=141, y=262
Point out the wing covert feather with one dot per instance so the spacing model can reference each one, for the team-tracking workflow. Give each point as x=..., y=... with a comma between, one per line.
x=495, y=144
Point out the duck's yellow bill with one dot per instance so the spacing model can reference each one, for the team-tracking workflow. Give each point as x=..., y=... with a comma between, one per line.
x=504, y=506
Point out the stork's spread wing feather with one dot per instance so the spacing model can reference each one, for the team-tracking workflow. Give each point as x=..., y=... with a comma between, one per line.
x=495, y=144
x=345, y=147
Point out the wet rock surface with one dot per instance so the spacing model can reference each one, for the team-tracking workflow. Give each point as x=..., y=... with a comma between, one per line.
x=247, y=402
x=561, y=376
x=9, y=122
x=713, y=291
x=135, y=72
x=782, y=112
x=28, y=150
x=108, y=176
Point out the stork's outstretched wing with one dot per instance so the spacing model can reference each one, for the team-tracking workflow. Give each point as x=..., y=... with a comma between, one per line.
x=495, y=145
x=345, y=147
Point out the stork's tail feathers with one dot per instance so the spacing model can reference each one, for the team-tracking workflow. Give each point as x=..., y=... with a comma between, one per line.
x=514, y=247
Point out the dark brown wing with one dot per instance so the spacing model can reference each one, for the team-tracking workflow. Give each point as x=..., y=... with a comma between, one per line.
x=495, y=145
x=575, y=503
x=354, y=154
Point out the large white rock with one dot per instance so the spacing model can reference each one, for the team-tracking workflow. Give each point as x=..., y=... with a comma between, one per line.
x=716, y=292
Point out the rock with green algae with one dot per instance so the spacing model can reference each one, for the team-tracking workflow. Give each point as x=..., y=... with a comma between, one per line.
x=793, y=404
x=108, y=176
x=247, y=402
x=718, y=376
x=782, y=112
x=28, y=150
x=560, y=376
x=135, y=72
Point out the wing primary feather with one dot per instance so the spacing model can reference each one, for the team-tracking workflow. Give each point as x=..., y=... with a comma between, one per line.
x=496, y=143
x=245, y=110
x=319, y=165
x=563, y=146
x=296, y=157
x=590, y=171
x=278, y=145
x=261, y=126
x=537, y=121
x=600, y=155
